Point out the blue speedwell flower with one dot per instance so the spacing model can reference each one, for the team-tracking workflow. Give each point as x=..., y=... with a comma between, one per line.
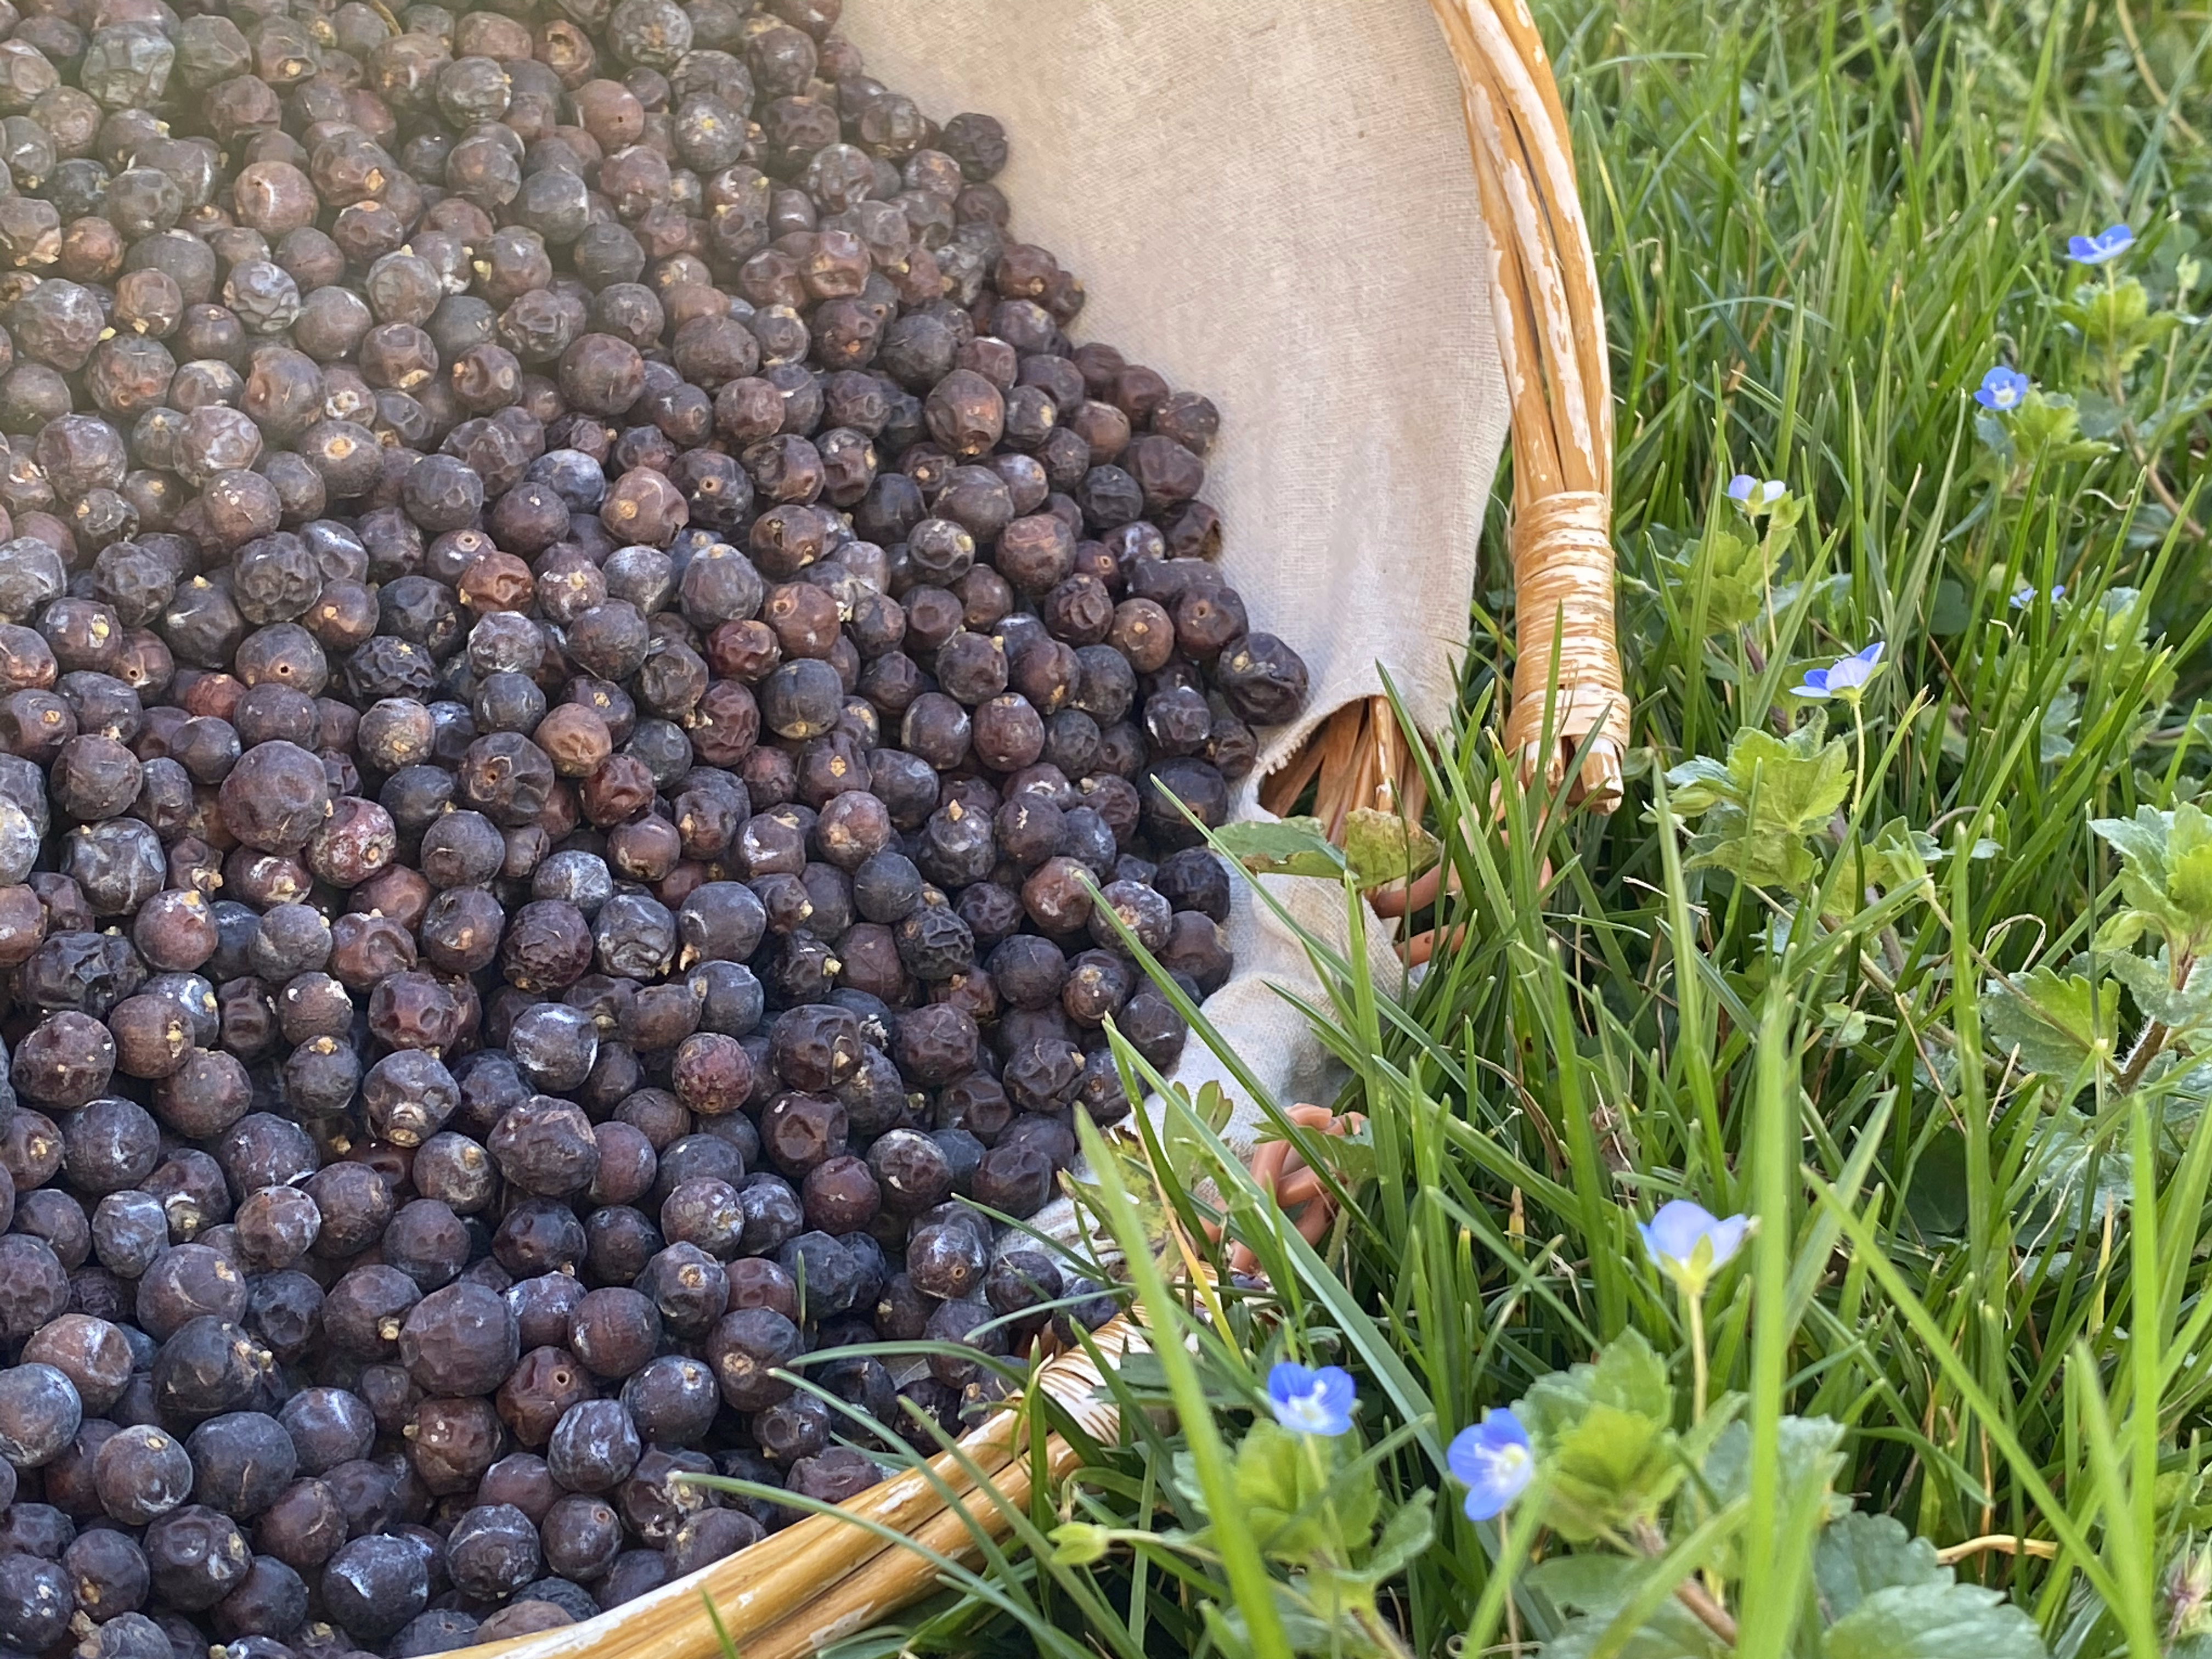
x=1495, y=1462
x=1755, y=496
x=1311, y=1401
x=2027, y=596
x=2002, y=389
x=1845, y=679
x=2105, y=246
x=1690, y=1244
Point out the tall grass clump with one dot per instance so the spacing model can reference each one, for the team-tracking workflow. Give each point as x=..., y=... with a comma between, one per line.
x=1779, y=1223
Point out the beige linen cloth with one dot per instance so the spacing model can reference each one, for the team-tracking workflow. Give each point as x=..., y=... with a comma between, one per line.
x=1269, y=202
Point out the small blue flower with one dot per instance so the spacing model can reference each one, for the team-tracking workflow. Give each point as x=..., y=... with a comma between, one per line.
x=1495, y=1462
x=1845, y=679
x=2102, y=248
x=2002, y=389
x=1311, y=1401
x=1755, y=496
x=2028, y=595
x=1690, y=1244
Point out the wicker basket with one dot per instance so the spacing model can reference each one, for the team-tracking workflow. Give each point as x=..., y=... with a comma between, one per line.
x=826, y=1577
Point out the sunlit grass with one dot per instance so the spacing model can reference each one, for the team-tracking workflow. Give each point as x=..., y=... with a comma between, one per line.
x=1818, y=226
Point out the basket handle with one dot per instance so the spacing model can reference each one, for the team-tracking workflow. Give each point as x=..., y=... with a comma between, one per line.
x=1551, y=337
x=1550, y=325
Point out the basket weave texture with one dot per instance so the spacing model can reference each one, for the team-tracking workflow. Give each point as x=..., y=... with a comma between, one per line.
x=828, y=1575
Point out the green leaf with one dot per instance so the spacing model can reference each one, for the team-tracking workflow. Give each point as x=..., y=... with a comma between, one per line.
x=2050, y=1025
x=1765, y=858
x=1934, y=1621
x=1673, y=1632
x=1410, y=1532
x=1736, y=575
x=1809, y=1455
x=2190, y=883
x=1630, y=1375
x=1384, y=847
x=1213, y=1107
x=1604, y=1433
x=2115, y=321
x=2053, y=744
x=2100, y=417
x=1996, y=436
x=1698, y=785
x=1949, y=613
x=2121, y=931
x=1846, y=1026
x=1281, y=1484
x=1189, y=1157
x=2078, y=1181
x=2165, y=873
x=1291, y=847
x=1797, y=782
x=1599, y=1585
x=1808, y=1450
x=1759, y=807
x=1858, y=1554
x=2150, y=980
x=1078, y=1544
x=2047, y=427
x=1899, y=855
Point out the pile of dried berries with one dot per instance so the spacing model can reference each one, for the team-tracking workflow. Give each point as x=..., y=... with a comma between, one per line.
x=575, y=635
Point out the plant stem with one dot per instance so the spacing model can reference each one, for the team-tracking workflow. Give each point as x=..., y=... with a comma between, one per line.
x=1698, y=1375
x=2157, y=1033
x=1338, y=1545
x=1379, y=1630
x=1690, y=1593
x=2147, y=1049
x=2143, y=458
x=1859, y=779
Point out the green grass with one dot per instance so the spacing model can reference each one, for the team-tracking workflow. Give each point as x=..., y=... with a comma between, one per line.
x=1981, y=1196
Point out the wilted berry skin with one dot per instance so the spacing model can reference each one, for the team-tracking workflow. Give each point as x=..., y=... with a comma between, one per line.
x=592, y=694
